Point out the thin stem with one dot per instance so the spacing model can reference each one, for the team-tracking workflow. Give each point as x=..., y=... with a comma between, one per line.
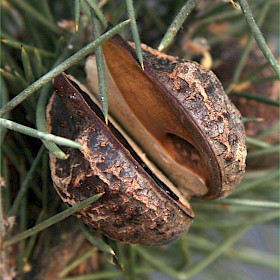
x=39, y=134
x=8, y=76
x=45, y=183
x=155, y=263
x=2, y=208
x=257, y=143
x=246, y=51
x=25, y=183
x=247, y=202
x=22, y=227
x=185, y=250
x=259, y=98
x=77, y=14
x=30, y=246
x=53, y=220
x=100, y=68
x=248, y=120
x=36, y=15
x=18, y=162
x=75, y=263
x=218, y=16
x=22, y=82
x=131, y=266
x=115, y=274
x=226, y=245
x=38, y=66
x=72, y=60
x=29, y=76
x=3, y=100
x=176, y=24
x=258, y=36
x=262, y=152
x=47, y=11
x=245, y=254
x=96, y=240
x=98, y=13
x=135, y=34
x=17, y=45
x=263, y=179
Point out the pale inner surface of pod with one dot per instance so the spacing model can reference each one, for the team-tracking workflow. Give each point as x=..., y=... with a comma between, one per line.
x=137, y=149
x=155, y=129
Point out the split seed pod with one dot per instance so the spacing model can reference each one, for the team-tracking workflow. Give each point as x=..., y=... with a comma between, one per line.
x=173, y=134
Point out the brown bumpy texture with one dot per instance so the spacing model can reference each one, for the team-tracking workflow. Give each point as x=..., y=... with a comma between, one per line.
x=184, y=108
x=197, y=99
x=199, y=95
x=133, y=209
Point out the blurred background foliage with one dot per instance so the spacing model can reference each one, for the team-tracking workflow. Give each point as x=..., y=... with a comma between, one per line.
x=233, y=238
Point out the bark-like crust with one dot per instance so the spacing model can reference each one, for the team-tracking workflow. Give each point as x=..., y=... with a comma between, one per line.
x=196, y=97
x=202, y=99
x=177, y=106
x=134, y=209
